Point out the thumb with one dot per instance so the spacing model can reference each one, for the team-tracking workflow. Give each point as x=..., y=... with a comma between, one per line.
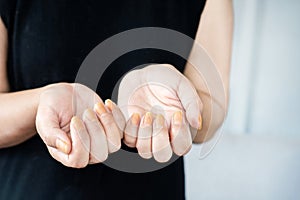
x=191, y=102
x=47, y=124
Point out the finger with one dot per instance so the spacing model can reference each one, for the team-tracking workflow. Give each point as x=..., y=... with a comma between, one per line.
x=48, y=127
x=98, y=143
x=144, y=141
x=110, y=127
x=161, y=148
x=180, y=135
x=191, y=103
x=131, y=130
x=79, y=156
x=117, y=114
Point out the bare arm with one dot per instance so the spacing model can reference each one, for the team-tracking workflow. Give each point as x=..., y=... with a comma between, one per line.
x=18, y=109
x=215, y=35
x=73, y=141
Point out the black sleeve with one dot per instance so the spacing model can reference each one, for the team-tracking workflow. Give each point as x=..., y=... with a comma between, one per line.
x=7, y=12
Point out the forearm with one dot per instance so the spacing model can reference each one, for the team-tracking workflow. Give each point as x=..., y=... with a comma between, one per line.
x=215, y=36
x=17, y=116
x=214, y=107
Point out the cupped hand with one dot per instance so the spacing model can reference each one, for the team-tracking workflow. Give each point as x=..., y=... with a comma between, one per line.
x=74, y=134
x=160, y=104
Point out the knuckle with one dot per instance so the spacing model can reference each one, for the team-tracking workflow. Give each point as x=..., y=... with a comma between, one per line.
x=103, y=158
x=182, y=148
x=147, y=155
x=78, y=163
x=178, y=151
x=130, y=140
x=98, y=159
x=143, y=147
x=163, y=154
x=113, y=147
x=162, y=157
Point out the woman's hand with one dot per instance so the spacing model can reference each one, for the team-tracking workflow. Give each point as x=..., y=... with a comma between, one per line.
x=86, y=138
x=162, y=90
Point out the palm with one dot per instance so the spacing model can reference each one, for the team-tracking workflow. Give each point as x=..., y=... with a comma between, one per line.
x=156, y=88
x=55, y=109
x=160, y=89
x=155, y=98
x=61, y=102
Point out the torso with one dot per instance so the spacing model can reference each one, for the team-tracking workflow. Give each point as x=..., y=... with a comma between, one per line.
x=48, y=40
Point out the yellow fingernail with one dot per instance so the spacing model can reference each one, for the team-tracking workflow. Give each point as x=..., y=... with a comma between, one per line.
x=99, y=108
x=159, y=121
x=76, y=123
x=200, y=122
x=178, y=118
x=148, y=118
x=62, y=146
x=135, y=119
x=109, y=104
x=90, y=115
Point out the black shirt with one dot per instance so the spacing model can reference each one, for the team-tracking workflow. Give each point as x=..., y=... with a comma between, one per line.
x=48, y=40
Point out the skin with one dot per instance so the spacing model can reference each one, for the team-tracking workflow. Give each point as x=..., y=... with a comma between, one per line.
x=215, y=36
x=66, y=144
x=166, y=96
x=216, y=22
x=77, y=136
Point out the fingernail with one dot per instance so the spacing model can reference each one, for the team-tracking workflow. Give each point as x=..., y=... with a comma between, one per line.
x=148, y=118
x=178, y=118
x=90, y=115
x=200, y=122
x=62, y=146
x=159, y=121
x=99, y=108
x=135, y=119
x=109, y=104
x=76, y=123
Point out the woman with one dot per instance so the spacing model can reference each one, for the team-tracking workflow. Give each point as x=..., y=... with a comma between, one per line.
x=42, y=44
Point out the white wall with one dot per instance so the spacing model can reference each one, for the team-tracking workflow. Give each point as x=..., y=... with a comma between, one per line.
x=265, y=79
x=258, y=156
x=246, y=167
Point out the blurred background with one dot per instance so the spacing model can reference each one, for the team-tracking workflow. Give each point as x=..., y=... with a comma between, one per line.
x=258, y=155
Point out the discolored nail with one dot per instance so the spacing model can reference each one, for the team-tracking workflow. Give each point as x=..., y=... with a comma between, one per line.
x=159, y=121
x=109, y=104
x=90, y=115
x=62, y=146
x=200, y=122
x=177, y=118
x=135, y=119
x=76, y=123
x=99, y=108
x=148, y=118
